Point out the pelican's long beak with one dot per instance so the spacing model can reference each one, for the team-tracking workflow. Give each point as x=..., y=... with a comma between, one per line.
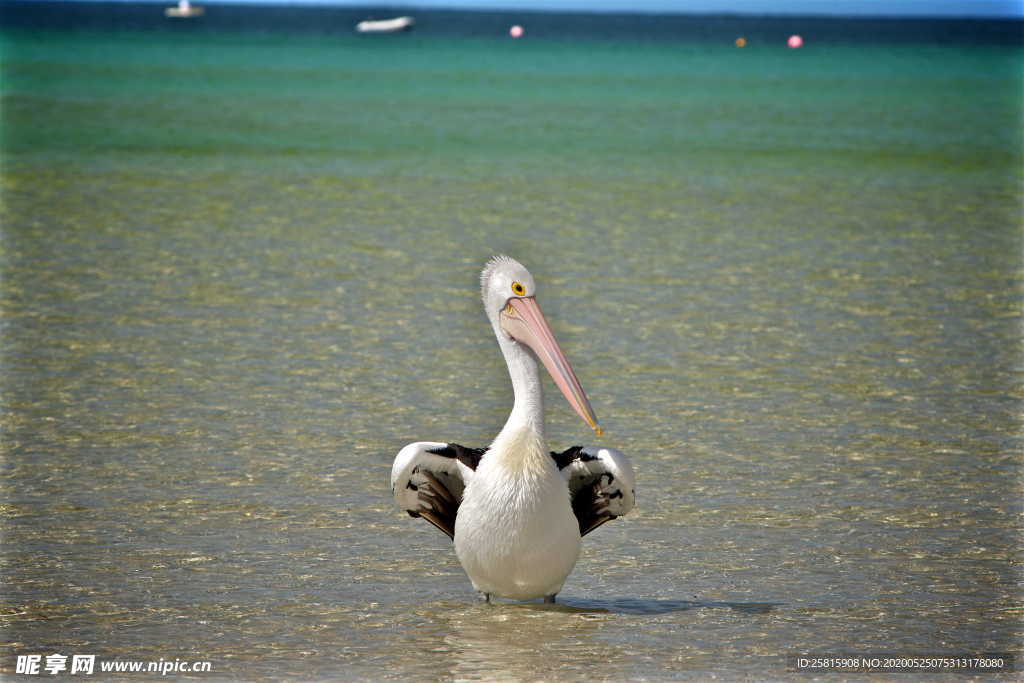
x=522, y=320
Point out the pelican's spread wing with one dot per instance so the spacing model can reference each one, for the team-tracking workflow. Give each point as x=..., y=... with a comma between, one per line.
x=428, y=479
x=600, y=481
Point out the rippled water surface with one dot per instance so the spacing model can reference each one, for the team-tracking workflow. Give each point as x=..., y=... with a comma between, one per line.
x=239, y=275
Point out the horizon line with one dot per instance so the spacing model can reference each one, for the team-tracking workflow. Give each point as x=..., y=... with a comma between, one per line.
x=645, y=9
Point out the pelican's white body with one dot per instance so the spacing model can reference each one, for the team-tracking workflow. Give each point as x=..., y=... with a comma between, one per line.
x=516, y=535
x=515, y=530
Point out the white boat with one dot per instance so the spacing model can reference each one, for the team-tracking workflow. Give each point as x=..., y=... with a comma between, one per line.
x=184, y=10
x=385, y=25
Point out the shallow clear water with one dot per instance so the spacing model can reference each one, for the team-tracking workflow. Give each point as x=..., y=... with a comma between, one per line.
x=240, y=273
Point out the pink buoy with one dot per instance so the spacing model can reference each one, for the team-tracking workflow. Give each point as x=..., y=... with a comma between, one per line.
x=516, y=31
x=795, y=41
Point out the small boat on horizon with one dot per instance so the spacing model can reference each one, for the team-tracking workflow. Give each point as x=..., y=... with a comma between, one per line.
x=184, y=10
x=385, y=25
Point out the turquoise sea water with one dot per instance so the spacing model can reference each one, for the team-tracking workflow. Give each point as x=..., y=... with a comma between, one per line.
x=239, y=273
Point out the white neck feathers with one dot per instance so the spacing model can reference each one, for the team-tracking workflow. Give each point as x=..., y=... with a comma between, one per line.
x=522, y=437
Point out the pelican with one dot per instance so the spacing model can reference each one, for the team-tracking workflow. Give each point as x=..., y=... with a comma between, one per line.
x=515, y=510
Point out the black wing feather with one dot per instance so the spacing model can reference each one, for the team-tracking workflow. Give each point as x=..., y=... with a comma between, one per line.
x=593, y=486
x=470, y=457
x=439, y=504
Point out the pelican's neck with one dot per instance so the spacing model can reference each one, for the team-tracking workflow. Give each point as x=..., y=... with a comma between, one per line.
x=523, y=432
x=528, y=408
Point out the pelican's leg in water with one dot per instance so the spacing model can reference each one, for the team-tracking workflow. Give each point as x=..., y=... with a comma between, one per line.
x=550, y=599
x=484, y=597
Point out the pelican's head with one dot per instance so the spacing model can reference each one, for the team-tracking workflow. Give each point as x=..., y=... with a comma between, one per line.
x=509, y=295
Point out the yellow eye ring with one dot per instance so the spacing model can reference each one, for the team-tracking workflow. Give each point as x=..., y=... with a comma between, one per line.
x=518, y=289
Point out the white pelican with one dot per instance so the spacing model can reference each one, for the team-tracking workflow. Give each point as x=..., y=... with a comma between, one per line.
x=516, y=510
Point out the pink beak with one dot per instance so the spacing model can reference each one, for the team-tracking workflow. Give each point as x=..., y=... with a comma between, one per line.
x=522, y=320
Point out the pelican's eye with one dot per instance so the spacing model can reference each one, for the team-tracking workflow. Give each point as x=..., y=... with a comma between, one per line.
x=518, y=289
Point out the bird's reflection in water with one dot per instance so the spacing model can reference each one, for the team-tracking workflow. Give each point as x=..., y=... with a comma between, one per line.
x=528, y=642
x=536, y=640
